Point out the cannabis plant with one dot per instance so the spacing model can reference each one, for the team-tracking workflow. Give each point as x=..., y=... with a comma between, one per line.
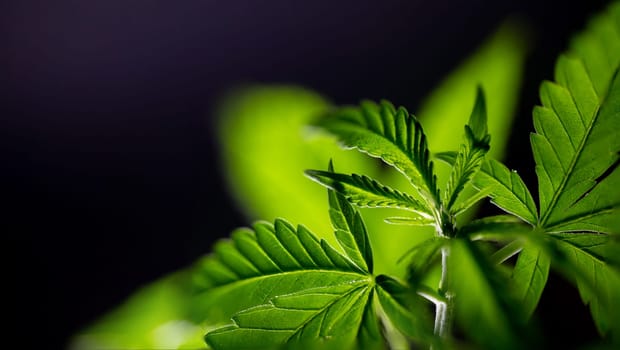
x=282, y=286
x=472, y=281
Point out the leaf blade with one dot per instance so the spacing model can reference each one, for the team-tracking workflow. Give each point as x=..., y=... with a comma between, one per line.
x=529, y=277
x=262, y=259
x=576, y=141
x=471, y=154
x=508, y=191
x=586, y=259
x=391, y=134
x=368, y=193
x=276, y=323
x=349, y=229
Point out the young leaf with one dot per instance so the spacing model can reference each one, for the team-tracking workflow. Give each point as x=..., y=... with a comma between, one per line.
x=577, y=137
x=471, y=153
x=505, y=187
x=507, y=190
x=393, y=135
x=350, y=229
x=366, y=192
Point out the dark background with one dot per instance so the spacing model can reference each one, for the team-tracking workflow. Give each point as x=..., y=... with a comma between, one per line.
x=110, y=174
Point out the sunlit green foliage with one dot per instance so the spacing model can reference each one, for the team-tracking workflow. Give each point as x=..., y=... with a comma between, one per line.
x=277, y=284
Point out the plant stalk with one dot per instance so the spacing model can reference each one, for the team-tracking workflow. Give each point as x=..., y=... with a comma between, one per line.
x=444, y=309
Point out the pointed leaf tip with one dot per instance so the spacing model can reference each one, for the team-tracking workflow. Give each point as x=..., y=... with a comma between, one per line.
x=478, y=118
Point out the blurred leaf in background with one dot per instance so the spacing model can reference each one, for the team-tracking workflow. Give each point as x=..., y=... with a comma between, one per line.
x=265, y=149
x=155, y=317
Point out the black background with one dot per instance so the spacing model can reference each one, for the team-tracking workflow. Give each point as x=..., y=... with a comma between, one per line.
x=110, y=173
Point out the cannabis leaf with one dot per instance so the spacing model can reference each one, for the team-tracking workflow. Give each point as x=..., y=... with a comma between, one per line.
x=592, y=260
x=576, y=147
x=297, y=281
x=282, y=285
x=391, y=134
x=577, y=137
x=471, y=153
x=350, y=230
x=505, y=188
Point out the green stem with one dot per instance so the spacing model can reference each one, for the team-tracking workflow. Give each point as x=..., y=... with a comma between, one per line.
x=444, y=309
x=446, y=228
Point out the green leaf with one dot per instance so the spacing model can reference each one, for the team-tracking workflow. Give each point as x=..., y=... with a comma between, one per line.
x=448, y=157
x=529, y=277
x=598, y=280
x=496, y=65
x=471, y=153
x=507, y=190
x=481, y=303
x=350, y=229
x=602, y=246
x=301, y=286
x=478, y=120
x=277, y=259
x=324, y=316
x=404, y=309
x=467, y=203
x=368, y=193
x=576, y=148
x=391, y=134
x=577, y=141
x=369, y=335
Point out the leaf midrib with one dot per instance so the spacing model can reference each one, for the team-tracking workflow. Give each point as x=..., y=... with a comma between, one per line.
x=556, y=195
x=253, y=279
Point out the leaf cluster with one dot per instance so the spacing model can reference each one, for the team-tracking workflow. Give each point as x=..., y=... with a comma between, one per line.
x=276, y=285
